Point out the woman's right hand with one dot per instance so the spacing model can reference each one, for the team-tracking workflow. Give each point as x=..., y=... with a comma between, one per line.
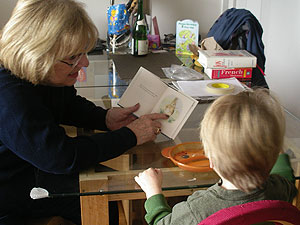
x=146, y=128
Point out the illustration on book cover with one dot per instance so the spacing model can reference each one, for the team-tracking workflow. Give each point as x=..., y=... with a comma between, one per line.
x=171, y=106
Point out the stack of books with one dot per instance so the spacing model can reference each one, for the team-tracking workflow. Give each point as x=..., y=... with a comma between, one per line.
x=221, y=64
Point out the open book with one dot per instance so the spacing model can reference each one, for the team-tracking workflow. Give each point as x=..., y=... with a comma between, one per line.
x=155, y=96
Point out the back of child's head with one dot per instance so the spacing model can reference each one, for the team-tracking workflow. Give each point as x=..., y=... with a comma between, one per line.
x=242, y=135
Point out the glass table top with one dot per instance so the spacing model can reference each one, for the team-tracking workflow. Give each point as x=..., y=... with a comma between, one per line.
x=117, y=175
x=101, y=72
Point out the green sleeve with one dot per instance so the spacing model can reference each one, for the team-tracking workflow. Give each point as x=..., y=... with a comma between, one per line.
x=283, y=167
x=156, y=208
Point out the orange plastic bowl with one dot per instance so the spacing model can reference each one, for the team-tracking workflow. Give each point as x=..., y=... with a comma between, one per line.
x=188, y=156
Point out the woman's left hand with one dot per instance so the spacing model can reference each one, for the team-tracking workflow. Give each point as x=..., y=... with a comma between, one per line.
x=120, y=117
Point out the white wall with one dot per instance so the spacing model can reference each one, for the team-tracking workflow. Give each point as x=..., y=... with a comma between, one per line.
x=169, y=11
x=280, y=20
x=6, y=7
x=166, y=11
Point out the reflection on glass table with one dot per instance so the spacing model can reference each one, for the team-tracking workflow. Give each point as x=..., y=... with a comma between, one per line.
x=101, y=72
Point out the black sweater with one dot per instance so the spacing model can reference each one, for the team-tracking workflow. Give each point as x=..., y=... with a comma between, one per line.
x=31, y=135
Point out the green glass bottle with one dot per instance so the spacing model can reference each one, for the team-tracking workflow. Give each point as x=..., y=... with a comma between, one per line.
x=139, y=45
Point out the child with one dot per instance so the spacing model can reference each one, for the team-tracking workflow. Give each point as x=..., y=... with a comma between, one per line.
x=242, y=136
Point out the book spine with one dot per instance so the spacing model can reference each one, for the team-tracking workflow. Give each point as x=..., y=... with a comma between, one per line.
x=228, y=73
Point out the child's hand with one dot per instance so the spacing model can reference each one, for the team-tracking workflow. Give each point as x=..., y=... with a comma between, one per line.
x=150, y=181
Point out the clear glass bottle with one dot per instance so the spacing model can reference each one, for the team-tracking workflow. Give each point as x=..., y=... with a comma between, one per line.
x=139, y=45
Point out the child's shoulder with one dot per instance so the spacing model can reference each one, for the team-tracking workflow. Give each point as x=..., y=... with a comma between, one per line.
x=279, y=181
x=277, y=187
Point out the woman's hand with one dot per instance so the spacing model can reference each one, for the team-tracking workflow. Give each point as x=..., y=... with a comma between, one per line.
x=120, y=117
x=146, y=128
x=150, y=181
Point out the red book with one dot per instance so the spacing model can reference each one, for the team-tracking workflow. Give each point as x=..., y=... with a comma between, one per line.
x=228, y=73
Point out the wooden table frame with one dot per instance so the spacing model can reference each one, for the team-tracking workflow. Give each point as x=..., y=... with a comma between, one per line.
x=94, y=208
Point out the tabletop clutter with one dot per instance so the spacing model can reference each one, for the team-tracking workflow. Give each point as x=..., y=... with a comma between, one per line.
x=130, y=27
x=221, y=64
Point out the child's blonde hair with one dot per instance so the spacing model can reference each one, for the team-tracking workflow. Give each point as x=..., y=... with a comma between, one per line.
x=42, y=32
x=242, y=135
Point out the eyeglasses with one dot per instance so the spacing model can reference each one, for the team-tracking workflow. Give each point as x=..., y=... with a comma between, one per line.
x=75, y=60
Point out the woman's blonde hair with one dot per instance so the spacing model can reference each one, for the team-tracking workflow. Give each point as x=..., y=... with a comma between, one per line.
x=42, y=32
x=242, y=135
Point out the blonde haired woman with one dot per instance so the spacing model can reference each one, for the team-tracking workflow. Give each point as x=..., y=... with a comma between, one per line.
x=42, y=48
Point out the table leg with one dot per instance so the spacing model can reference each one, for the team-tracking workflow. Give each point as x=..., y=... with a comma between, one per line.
x=94, y=210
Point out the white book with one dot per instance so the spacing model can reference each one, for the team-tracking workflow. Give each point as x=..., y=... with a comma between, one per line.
x=225, y=59
x=155, y=96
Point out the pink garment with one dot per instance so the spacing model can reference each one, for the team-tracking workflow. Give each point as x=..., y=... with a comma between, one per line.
x=255, y=212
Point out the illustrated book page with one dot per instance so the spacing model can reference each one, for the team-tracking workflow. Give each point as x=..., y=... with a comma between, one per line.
x=155, y=96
